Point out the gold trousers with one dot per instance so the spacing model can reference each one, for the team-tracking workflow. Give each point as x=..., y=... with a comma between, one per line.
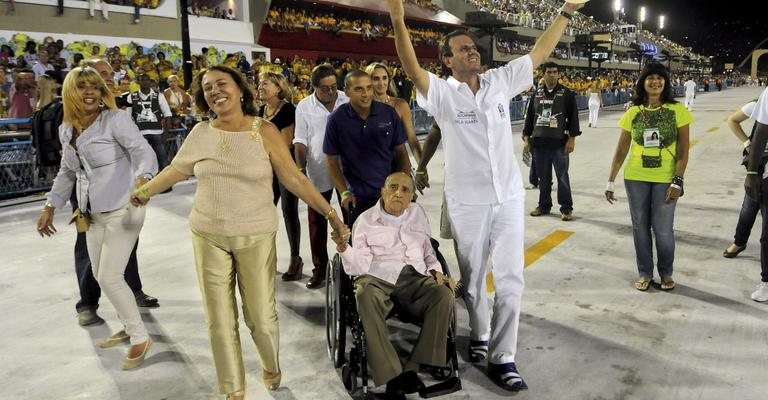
x=249, y=261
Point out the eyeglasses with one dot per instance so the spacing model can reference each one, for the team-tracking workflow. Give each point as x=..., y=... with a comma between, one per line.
x=326, y=89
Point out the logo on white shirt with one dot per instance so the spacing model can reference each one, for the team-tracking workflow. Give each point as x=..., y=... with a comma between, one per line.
x=466, y=117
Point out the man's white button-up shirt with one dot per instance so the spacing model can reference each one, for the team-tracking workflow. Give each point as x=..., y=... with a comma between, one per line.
x=311, y=119
x=480, y=162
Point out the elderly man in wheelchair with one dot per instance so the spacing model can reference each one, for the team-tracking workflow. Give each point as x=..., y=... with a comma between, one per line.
x=394, y=262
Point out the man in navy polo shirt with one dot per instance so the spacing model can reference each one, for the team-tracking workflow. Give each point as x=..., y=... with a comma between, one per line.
x=366, y=140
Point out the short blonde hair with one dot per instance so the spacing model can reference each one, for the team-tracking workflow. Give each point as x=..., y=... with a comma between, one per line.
x=168, y=79
x=74, y=113
x=286, y=91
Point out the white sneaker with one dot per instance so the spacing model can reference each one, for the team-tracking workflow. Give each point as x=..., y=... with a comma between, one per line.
x=761, y=294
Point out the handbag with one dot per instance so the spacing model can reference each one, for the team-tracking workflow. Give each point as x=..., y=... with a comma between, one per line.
x=81, y=220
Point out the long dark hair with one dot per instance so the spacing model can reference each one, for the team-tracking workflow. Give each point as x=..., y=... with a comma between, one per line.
x=641, y=96
x=199, y=94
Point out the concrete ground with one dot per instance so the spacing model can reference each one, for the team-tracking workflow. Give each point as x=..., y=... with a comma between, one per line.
x=585, y=332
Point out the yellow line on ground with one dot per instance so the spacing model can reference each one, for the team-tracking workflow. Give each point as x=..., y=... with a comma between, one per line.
x=694, y=142
x=533, y=253
x=712, y=129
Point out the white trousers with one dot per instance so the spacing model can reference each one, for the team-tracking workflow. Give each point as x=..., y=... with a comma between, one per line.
x=103, y=5
x=110, y=241
x=689, y=101
x=494, y=230
x=594, y=109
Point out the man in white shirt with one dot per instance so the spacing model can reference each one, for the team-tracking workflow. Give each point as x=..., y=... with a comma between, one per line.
x=311, y=118
x=757, y=188
x=483, y=186
x=690, y=93
x=151, y=113
x=42, y=64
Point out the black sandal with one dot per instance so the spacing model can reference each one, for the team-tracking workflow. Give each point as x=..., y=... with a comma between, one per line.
x=739, y=249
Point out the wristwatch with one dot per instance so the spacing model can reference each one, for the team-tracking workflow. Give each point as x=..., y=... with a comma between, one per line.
x=48, y=205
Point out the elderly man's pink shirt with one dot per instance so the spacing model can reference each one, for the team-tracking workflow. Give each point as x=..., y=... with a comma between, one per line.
x=381, y=246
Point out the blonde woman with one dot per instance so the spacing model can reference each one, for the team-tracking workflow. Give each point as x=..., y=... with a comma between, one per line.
x=101, y=149
x=594, y=102
x=177, y=98
x=275, y=94
x=46, y=91
x=233, y=230
x=384, y=91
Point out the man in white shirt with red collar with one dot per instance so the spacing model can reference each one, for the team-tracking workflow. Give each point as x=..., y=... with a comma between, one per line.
x=311, y=118
x=393, y=259
x=483, y=187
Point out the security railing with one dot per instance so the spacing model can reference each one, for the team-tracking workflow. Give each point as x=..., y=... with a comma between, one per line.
x=19, y=171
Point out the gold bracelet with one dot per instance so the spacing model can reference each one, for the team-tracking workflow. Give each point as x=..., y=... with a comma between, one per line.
x=330, y=214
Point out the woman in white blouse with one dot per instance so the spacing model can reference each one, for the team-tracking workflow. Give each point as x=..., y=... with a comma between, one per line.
x=101, y=149
x=177, y=98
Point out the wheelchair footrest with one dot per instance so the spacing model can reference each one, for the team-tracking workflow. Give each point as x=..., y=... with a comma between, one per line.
x=448, y=386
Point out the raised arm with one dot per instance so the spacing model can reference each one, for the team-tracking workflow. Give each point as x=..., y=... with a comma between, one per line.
x=549, y=39
x=404, y=47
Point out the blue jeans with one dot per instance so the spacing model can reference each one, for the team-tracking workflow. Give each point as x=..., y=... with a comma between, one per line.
x=544, y=159
x=747, y=216
x=649, y=211
x=764, y=235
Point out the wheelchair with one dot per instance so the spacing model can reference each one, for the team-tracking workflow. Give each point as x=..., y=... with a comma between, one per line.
x=341, y=316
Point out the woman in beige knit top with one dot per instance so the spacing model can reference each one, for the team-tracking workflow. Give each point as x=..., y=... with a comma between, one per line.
x=234, y=220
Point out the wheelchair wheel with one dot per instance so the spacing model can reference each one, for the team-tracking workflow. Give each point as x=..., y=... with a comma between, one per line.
x=335, y=323
x=441, y=373
x=349, y=379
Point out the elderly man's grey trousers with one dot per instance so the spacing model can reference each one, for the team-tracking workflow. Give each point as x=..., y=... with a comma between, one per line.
x=420, y=296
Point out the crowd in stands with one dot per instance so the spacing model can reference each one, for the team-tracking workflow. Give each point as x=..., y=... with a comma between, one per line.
x=290, y=19
x=538, y=14
x=24, y=62
x=203, y=10
x=424, y=4
x=23, y=65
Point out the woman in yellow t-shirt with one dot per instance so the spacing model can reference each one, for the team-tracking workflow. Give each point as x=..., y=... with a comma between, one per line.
x=657, y=129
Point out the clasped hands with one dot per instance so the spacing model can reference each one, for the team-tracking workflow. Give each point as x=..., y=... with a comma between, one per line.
x=340, y=236
x=139, y=195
